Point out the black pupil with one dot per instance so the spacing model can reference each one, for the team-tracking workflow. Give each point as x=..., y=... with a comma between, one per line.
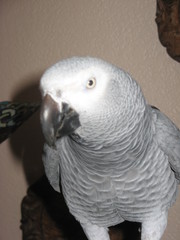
x=91, y=82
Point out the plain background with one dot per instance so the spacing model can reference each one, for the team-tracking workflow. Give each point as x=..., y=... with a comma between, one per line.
x=36, y=34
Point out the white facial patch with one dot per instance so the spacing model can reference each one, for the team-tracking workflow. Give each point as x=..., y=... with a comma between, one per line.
x=73, y=86
x=82, y=97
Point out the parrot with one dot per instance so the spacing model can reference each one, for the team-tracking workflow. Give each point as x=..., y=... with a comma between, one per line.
x=113, y=156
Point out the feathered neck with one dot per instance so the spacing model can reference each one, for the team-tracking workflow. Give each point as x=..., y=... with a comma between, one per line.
x=121, y=149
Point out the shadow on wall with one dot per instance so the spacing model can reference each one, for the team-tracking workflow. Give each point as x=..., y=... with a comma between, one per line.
x=27, y=141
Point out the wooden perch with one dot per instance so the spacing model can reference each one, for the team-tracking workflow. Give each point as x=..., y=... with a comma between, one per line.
x=168, y=23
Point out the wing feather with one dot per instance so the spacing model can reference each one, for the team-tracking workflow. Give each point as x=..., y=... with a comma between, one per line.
x=168, y=139
x=51, y=165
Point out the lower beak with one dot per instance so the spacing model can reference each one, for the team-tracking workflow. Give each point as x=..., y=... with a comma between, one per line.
x=57, y=123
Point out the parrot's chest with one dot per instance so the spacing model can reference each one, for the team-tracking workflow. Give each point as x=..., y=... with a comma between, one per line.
x=108, y=196
x=90, y=195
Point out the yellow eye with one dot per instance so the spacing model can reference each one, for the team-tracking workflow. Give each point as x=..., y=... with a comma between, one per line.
x=91, y=83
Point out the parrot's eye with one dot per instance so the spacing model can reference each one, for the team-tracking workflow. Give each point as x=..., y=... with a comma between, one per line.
x=91, y=83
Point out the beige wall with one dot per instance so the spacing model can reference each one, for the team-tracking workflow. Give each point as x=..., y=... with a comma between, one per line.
x=34, y=35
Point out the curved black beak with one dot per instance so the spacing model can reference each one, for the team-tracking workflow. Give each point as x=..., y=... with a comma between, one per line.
x=57, y=121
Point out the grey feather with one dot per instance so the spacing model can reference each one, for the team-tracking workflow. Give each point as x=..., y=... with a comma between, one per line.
x=168, y=138
x=51, y=165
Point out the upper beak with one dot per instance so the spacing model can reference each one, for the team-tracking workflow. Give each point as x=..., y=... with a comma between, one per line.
x=55, y=122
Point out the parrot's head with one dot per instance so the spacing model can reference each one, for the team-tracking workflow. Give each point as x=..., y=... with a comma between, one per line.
x=87, y=97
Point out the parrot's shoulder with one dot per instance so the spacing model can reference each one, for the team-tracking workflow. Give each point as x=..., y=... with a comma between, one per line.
x=163, y=125
x=167, y=136
x=51, y=162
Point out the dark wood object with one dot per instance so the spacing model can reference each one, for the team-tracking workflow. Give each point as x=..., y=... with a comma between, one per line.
x=45, y=216
x=168, y=22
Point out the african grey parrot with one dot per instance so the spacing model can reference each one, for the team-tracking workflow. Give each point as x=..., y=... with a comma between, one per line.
x=117, y=158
